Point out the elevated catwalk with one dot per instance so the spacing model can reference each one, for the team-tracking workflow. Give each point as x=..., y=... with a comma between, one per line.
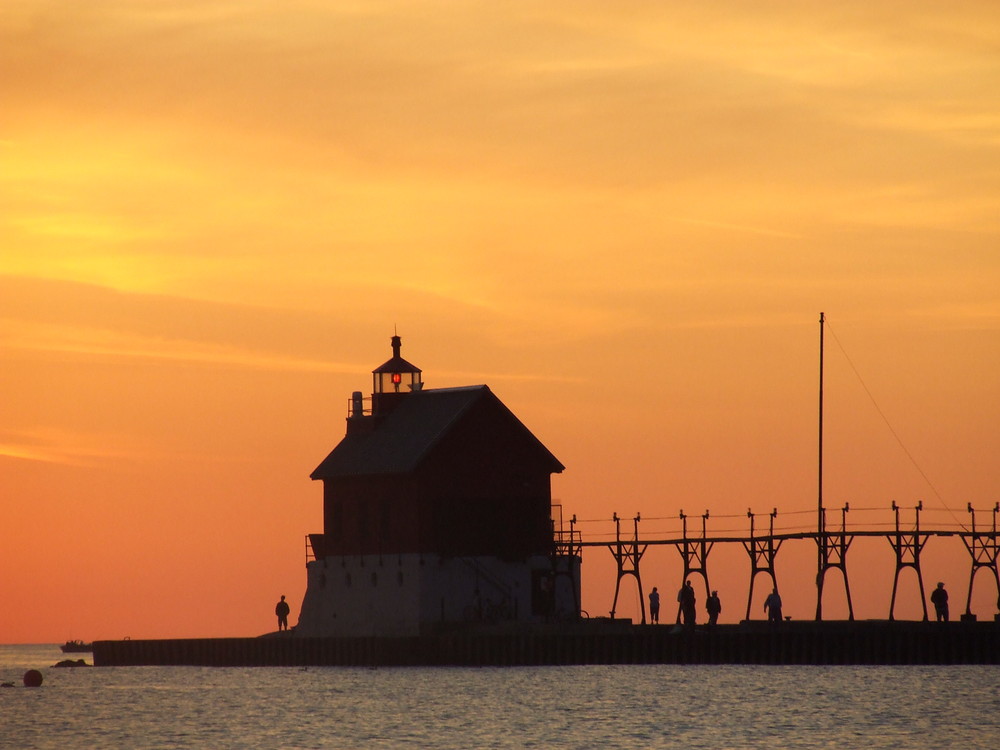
x=590, y=642
x=832, y=543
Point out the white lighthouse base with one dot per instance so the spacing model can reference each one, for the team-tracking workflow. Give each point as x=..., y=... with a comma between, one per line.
x=408, y=595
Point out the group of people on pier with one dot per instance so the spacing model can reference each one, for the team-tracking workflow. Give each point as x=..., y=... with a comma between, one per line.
x=687, y=601
x=772, y=605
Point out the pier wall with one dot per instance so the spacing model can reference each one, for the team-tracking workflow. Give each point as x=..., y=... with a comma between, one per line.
x=809, y=643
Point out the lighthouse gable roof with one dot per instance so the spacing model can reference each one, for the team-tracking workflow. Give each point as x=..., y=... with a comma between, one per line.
x=410, y=432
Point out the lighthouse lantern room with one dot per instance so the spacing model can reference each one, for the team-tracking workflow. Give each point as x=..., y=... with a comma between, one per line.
x=396, y=375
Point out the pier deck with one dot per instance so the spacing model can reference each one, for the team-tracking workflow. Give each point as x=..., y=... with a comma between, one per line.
x=612, y=642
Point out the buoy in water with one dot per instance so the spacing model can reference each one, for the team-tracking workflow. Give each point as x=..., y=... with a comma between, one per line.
x=32, y=678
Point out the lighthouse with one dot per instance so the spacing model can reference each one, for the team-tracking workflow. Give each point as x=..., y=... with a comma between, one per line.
x=437, y=513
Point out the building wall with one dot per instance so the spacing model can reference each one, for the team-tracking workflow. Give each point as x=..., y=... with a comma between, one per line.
x=372, y=515
x=488, y=488
x=361, y=595
x=413, y=594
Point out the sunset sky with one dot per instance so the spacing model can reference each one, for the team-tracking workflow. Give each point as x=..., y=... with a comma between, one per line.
x=624, y=217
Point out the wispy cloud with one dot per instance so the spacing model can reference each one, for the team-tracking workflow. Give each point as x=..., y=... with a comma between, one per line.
x=59, y=446
x=115, y=345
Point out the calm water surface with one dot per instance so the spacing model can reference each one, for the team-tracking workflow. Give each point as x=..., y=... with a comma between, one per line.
x=528, y=707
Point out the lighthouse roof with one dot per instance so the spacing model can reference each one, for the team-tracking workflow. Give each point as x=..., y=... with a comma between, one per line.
x=405, y=437
x=396, y=363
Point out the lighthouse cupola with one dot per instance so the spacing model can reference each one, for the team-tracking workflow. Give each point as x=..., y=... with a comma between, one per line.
x=394, y=378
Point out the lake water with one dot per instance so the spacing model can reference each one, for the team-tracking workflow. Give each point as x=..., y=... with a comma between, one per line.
x=652, y=706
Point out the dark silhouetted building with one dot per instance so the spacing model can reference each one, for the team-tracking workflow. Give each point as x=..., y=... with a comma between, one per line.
x=437, y=509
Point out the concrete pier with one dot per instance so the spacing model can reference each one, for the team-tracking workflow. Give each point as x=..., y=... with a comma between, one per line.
x=816, y=643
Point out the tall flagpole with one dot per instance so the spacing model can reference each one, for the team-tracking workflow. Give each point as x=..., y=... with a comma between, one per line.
x=820, y=503
x=820, y=530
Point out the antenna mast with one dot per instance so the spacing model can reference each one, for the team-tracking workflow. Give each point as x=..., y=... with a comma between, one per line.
x=820, y=530
x=819, y=522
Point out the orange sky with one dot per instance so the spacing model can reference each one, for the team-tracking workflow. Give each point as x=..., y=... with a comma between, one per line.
x=623, y=217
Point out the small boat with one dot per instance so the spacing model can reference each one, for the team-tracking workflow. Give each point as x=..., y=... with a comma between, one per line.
x=74, y=647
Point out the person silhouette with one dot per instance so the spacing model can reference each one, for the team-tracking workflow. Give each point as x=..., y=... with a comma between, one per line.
x=281, y=610
x=654, y=606
x=939, y=598
x=714, y=607
x=687, y=600
x=772, y=605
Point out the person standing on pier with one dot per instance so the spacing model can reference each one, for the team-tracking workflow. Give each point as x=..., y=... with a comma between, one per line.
x=281, y=610
x=654, y=606
x=687, y=601
x=714, y=607
x=939, y=598
x=772, y=605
